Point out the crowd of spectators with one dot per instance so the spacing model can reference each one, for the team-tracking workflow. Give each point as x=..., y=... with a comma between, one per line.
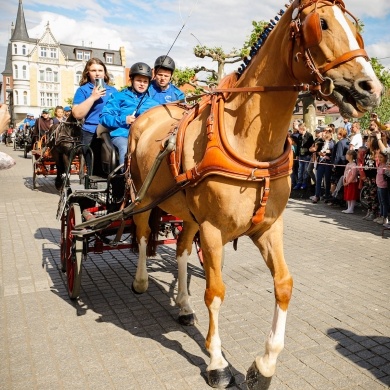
x=338, y=163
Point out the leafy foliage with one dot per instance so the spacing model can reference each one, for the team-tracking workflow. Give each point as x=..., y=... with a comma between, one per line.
x=383, y=111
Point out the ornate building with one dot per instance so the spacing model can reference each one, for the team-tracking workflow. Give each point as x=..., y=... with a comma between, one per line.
x=43, y=73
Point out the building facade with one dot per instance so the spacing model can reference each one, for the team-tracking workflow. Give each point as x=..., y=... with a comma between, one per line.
x=43, y=73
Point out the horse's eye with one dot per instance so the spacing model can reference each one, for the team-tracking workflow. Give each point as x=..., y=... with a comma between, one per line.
x=324, y=25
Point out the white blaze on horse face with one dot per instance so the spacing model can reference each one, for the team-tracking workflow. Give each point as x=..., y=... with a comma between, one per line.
x=274, y=344
x=353, y=43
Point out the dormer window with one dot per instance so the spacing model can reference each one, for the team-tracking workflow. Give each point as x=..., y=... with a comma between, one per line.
x=109, y=58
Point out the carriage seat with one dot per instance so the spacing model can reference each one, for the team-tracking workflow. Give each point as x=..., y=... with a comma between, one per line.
x=109, y=154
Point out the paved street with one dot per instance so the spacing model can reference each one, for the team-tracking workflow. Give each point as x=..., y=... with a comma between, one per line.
x=338, y=328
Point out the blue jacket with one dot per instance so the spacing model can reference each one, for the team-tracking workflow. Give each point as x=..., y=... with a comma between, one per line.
x=171, y=94
x=92, y=118
x=119, y=106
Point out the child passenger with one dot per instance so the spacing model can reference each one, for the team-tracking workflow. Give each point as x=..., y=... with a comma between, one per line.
x=350, y=181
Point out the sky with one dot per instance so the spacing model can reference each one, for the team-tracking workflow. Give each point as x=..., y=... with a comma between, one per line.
x=149, y=28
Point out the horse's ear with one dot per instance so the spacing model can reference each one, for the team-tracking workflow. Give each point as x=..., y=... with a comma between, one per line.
x=71, y=118
x=311, y=30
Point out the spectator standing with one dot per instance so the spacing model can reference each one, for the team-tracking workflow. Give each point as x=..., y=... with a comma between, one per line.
x=89, y=101
x=356, y=137
x=382, y=190
x=350, y=182
x=347, y=126
x=304, y=155
x=367, y=171
x=314, y=149
x=294, y=173
x=324, y=166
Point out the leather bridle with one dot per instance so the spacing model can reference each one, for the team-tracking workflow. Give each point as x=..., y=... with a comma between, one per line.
x=308, y=33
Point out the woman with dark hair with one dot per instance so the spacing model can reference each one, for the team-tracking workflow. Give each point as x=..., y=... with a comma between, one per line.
x=89, y=101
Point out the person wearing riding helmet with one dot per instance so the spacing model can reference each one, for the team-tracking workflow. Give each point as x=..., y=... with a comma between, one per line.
x=161, y=89
x=123, y=107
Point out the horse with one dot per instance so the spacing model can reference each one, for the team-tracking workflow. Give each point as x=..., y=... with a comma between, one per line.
x=63, y=138
x=232, y=159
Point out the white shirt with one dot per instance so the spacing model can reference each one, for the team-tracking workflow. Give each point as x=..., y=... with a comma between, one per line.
x=356, y=141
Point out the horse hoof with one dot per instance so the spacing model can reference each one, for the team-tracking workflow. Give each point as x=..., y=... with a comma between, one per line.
x=255, y=380
x=221, y=378
x=187, y=319
x=138, y=292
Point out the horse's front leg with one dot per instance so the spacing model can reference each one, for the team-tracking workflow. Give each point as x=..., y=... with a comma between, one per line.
x=183, y=250
x=270, y=244
x=218, y=371
x=141, y=281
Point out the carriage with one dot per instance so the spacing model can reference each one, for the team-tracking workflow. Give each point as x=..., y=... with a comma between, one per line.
x=223, y=167
x=20, y=140
x=100, y=195
x=44, y=163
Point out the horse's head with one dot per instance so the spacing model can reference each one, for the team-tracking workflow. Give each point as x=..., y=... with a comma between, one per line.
x=327, y=41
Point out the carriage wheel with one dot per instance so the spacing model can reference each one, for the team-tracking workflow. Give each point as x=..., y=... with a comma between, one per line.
x=25, y=150
x=63, y=242
x=73, y=252
x=34, y=175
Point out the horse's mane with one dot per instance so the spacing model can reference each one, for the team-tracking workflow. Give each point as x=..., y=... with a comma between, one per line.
x=261, y=38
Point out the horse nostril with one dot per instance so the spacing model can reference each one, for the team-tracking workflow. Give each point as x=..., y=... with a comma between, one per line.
x=366, y=85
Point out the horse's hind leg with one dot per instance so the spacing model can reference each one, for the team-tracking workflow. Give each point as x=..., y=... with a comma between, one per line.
x=141, y=282
x=183, y=250
x=270, y=244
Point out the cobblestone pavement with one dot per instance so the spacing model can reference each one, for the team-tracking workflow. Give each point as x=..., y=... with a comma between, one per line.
x=338, y=328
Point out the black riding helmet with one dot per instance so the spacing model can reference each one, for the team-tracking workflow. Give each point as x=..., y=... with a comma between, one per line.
x=141, y=69
x=164, y=62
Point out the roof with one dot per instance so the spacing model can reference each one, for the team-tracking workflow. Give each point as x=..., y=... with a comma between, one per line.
x=20, y=31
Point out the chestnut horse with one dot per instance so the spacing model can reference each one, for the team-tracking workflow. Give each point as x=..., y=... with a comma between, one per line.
x=232, y=159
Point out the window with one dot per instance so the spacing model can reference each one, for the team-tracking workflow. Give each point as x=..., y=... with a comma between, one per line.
x=49, y=74
x=55, y=79
x=79, y=55
x=8, y=80
x=24, y=72
x=41, y=75
x=78, y=77
x=25, y=98
x=16, y=97
x=56, y=99
x=15, y=48
x=43, y=52
x=53, y=52
x=109, y=58
x=87, y=56
x=42, y=99
x=16, y=71
x=24, y=50
x=49, y=99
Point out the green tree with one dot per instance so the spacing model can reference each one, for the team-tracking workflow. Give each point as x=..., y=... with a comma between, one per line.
x=383, y=110
x=217, y=54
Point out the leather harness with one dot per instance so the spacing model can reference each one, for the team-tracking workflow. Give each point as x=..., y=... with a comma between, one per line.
x=220, y=158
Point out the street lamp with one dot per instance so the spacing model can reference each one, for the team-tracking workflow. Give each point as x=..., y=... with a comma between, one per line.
x=11, y=104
